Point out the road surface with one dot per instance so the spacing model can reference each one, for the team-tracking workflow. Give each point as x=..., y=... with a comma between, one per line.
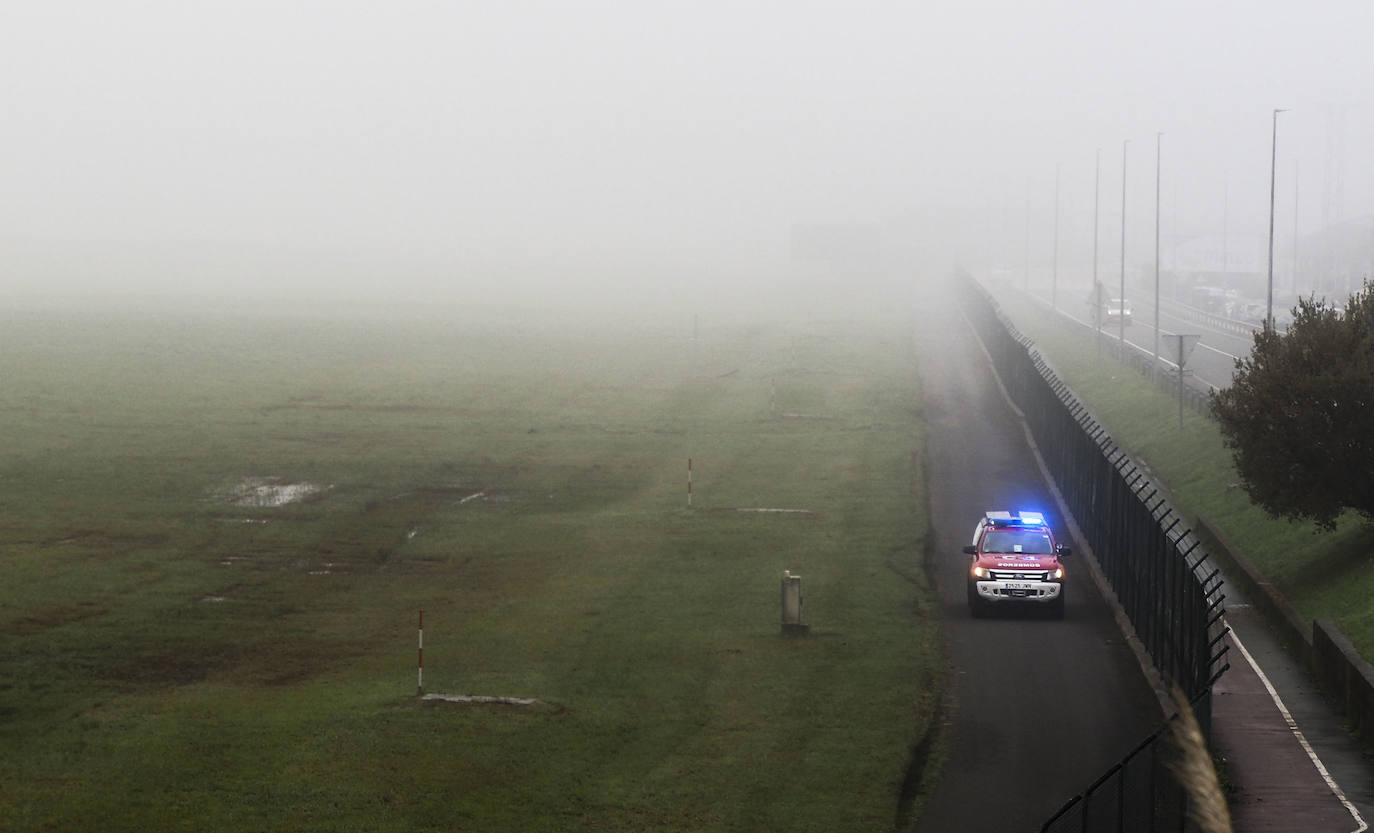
x=1038, y=708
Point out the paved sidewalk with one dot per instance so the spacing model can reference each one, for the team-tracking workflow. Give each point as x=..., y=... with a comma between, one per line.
x=1315, y=779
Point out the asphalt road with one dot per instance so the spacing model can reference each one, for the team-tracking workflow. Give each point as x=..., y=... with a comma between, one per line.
x=1037, y=708
x=1213, y=360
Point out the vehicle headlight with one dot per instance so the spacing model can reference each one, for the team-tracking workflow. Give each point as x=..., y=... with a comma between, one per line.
x=978, y=571
x=1057, y=575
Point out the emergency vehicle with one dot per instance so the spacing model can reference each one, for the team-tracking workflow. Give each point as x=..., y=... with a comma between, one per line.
x=1015, y=562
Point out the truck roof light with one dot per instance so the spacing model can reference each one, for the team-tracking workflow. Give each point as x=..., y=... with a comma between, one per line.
x=1023, y=517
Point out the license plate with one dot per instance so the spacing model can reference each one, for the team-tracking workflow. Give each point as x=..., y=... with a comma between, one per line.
x=1016, y=585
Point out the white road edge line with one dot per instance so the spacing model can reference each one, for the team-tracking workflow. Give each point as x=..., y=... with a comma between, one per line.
x=1297, y=733
x=1141, y=347
x=1218, y=350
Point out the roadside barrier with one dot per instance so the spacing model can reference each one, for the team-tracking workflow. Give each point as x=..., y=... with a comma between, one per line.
x=1216, y=322
x=1159, y=571
x=1164, y=375
x=1197, y=396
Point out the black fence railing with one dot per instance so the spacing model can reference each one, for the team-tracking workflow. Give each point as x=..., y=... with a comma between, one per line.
x=1157, y=569
x=1141, y=792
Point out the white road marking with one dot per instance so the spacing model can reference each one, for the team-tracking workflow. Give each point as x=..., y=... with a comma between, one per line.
x=1215, y=350
x=1302, y=739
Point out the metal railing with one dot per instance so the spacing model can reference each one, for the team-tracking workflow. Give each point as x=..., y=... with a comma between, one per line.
x=1156, y=567
x=1164, y=375
x=1138, y=793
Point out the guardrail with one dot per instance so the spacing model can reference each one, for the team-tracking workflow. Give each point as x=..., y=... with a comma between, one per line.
x=1164, y=375
x=1161, y=575
x=1218, y=322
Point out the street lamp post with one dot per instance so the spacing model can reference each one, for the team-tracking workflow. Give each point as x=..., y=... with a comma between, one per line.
x=1273, y=162
x=1297, y=181
x=1026, y=249
x=1097, y=284
x=1158, y=138
x=1121, y=299
x=1225, y=223
x=1054, y=273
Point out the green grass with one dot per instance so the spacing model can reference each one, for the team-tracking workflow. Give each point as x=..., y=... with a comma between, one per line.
x=1324, y=575
x=170, y=660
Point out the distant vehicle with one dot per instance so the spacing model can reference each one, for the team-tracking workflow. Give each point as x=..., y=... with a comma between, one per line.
x=1213, y=299
x=1015, y=562
x=1247, y=311
x=1112, y=312
x=1119, y=309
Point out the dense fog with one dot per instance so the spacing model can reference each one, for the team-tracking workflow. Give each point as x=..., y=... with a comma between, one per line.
x=690, y=154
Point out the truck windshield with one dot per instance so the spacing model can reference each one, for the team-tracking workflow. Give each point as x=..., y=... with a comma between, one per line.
x=1009, y=540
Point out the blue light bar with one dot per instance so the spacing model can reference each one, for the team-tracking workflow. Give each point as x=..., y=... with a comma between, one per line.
x=1001, y=517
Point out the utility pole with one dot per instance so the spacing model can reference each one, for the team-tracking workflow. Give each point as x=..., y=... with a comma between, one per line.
x=1293, y=284
x=1026, y=250
x=1225, y=221
x=1273, y=167
x=1121, y=317
x=1054, y=274
x=1158, y=138
x=1097, y=284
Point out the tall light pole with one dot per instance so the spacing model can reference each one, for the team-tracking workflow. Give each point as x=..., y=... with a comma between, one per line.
x=1054, y=273
x=1097, y=284
x=1120, y=314
x=1225, y=222
x=1273, y=164
x=1297, y=180
x=1158, y=138
x=1026, y=250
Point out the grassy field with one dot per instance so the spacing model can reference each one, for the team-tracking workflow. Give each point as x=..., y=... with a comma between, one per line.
x=1324, y=575
x=177, y=653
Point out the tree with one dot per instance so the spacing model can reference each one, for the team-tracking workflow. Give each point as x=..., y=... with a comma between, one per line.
x=1299, y=414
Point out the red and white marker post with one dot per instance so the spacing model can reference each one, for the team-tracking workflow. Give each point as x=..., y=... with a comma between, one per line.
x=420, y=682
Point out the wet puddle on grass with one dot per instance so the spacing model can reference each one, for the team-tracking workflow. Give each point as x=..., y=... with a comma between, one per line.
x=271, y=491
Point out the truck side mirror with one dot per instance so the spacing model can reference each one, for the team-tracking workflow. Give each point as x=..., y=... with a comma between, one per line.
x=970, y=550
x=1064, y=550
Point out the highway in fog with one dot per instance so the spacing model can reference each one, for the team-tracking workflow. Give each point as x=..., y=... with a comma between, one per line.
x=1037, y=708
x=1212, y=361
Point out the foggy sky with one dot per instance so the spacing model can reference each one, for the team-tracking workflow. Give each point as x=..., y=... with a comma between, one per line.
x=478, y=145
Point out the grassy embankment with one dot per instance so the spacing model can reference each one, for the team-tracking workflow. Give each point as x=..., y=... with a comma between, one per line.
x=172, y=660
x=1324, y=575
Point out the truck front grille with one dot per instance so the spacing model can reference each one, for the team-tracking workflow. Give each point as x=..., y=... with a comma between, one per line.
x=1018, y=575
